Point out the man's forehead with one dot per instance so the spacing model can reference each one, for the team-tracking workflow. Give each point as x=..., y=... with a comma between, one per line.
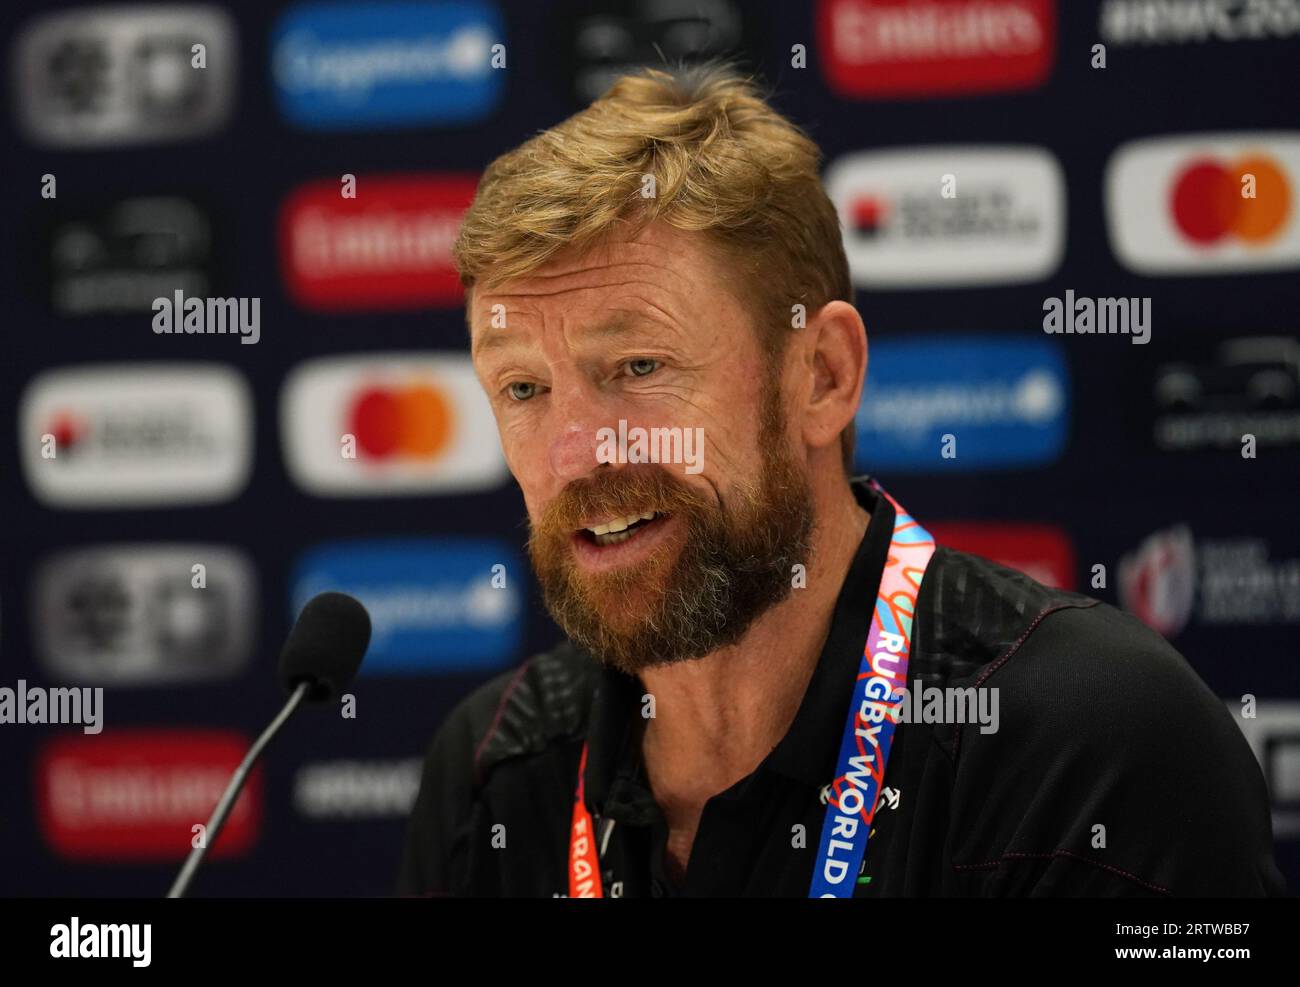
x=653, y=256
x=611, y=326
x=629, y=283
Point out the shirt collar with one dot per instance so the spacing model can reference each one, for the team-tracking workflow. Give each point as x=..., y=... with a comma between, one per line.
x=807, y=751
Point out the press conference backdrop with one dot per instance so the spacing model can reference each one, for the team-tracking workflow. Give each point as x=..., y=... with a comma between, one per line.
x=171, y=498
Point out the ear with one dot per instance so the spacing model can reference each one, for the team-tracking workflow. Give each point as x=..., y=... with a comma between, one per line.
x=836, y=350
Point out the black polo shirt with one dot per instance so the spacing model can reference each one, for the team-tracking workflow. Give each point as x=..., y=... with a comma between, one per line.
x=1094, y=783
x=746, y=837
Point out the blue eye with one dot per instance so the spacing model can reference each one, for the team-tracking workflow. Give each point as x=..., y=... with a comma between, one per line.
x=645, y=362
x=522, y=390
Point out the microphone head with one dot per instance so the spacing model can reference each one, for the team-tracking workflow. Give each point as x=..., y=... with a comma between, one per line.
x=326, y=646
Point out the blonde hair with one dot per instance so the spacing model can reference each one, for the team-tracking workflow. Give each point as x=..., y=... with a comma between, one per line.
x=724, y=163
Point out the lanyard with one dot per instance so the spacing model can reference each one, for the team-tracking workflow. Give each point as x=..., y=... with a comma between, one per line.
x=872, y=716
x=868, y=735
x=584, y=867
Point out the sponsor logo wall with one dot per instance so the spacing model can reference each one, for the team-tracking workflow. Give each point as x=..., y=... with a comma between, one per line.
x=1004, y=222
x=997, y=400
x=886, y=48
x=389, y=248
x=384, y=65
x=173, y=498
x=1174, y=205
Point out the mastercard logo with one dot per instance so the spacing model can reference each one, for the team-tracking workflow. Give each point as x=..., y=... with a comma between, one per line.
x=415, y=421
x=1249, y=199
x=1214, y=203
x=412, y=423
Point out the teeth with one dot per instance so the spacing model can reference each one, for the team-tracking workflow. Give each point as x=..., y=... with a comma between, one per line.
x=615, y=530
x=621, y=523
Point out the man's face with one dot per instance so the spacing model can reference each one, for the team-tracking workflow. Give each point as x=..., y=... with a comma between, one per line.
x=644, y=563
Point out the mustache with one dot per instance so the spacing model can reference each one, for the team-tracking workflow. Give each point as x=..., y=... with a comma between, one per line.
x=613, y=492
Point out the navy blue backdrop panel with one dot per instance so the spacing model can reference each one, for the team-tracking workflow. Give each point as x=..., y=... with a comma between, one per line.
x=293, y=174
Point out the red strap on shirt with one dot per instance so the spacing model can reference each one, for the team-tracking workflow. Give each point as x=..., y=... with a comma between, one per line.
x=584, y=867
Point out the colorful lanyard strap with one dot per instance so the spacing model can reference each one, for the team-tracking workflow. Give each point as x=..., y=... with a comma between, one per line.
x=868, y=735
x=872, y=716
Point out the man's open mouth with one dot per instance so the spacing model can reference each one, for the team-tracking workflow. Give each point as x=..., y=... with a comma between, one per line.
x=619, y=529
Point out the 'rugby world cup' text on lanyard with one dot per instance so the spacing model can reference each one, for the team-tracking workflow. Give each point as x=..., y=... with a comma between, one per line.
x=873, y=711
x=868, y=735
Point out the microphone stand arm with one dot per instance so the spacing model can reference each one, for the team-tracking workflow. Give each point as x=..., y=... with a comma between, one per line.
x=218, y=820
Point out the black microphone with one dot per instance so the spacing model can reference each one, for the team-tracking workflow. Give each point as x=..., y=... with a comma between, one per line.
x=321, y=656
x=325, y=647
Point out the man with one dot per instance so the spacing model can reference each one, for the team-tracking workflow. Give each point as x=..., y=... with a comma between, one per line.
x=665, y=263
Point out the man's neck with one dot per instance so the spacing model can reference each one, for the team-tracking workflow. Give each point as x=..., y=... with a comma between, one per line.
x=717, y=717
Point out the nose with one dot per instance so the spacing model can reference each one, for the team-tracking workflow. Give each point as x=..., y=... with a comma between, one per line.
x=576, y=441
x=573, y=452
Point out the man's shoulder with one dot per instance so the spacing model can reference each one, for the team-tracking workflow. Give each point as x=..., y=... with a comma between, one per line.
x=1064, y=658
x=973, y=613
x=1103, y=731
x=545, y=700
